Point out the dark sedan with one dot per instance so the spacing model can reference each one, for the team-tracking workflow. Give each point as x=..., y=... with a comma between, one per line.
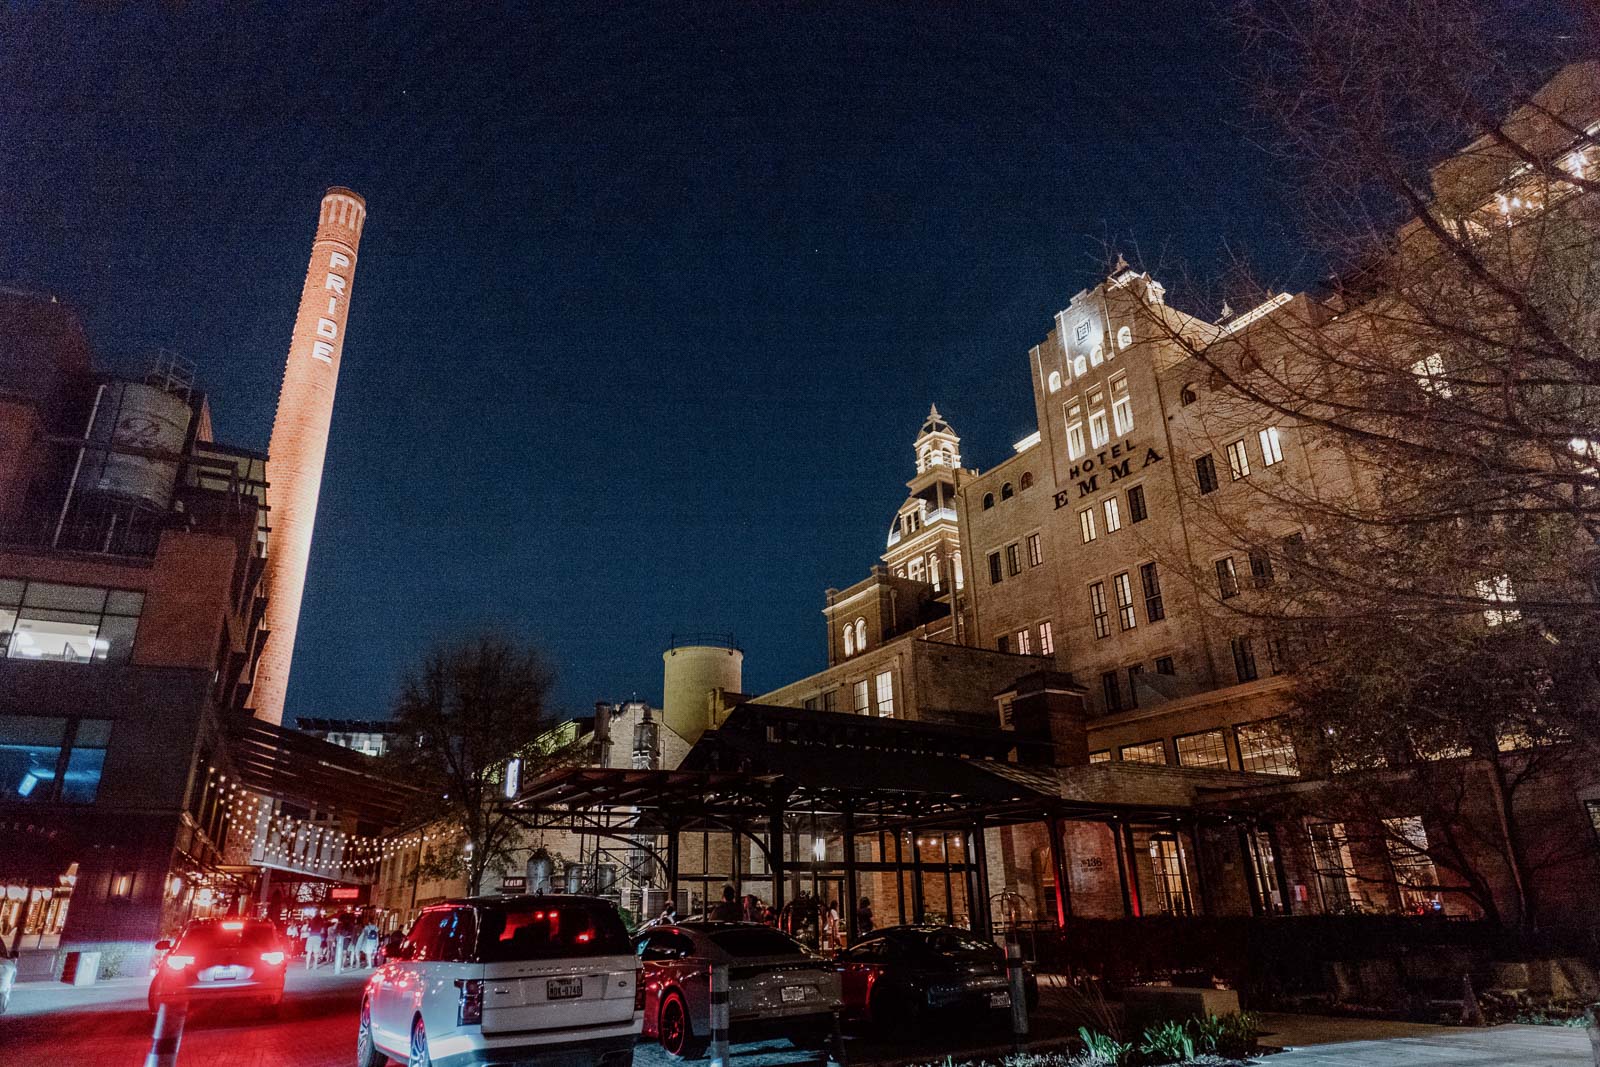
x=912, y=974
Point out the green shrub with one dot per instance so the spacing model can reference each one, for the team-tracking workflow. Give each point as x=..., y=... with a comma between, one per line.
x=1103, y=1048
x=1168, y=1042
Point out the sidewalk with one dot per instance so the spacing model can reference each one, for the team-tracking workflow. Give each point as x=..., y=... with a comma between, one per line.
x=1325, y=1041
x=124, y=994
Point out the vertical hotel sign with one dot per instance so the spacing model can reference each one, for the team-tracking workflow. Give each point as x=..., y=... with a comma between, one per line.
x=300, y=435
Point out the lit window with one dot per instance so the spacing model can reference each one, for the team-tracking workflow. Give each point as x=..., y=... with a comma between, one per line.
x=861, y=635
x=1152, y=752
x=858, y=694
x=1047, y=639
x=1035, y=551
x=1113, y=515
x=1124, y=337
x=955, y=566
x=1271, y=447
x=1238, y=461
x=1024, y=642
x=1098, y=356
x=935, y=575
x=1086, y=524
x=1055, y=381
x=1099, y=433
x=994, y=568
x=1097, y=605
x=1013, y=559
x=1124, y=588
x=1414, y=873
x=51, y=760
x=916, y=569
x=1207, y=751
x=1103, y=756
x=849, y=639
x=121, y=887
x=885, y=684
x=1429, y=373
x=1075, y=446
x=1205, y=473
x=1266, y=747
x=1227, y=578
x=1121, y=406
x=67, y=623
x=1498, y=591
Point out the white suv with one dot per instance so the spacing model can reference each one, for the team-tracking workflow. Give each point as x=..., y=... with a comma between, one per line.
x=547, y=981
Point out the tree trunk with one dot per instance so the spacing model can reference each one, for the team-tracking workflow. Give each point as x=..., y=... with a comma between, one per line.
x=1516, y=853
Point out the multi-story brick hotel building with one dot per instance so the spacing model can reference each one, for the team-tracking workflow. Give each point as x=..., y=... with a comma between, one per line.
x=1102, y=561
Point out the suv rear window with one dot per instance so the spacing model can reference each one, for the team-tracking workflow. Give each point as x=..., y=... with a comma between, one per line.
x=747, y=941
x=228, y=935
x=541, y=931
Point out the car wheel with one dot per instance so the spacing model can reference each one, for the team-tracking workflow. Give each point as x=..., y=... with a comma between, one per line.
x=675, y=1031
x=367, y=1054
x=418, y=1056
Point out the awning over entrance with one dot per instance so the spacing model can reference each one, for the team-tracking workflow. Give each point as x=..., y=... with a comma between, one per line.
x=286, y=764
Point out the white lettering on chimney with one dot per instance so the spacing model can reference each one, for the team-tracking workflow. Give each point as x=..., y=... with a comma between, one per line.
x=327, y=328
x=338, y=259
x=322, y=350
x=334, y=284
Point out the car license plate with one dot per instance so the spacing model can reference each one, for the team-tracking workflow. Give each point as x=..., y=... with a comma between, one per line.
x=793, y=994
x=563, y=988
x=1000, y=1000
x=226, y=974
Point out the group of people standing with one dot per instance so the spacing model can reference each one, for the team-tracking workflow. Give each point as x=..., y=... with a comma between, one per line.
x=349, y=939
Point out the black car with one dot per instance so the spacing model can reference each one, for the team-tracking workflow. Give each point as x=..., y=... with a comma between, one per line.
x=909, y=974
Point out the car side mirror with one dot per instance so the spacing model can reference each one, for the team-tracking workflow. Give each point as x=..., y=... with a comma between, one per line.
x=163, y=945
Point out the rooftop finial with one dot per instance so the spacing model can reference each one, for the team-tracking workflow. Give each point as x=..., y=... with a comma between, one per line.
x=1122, y=264
x=933, y=412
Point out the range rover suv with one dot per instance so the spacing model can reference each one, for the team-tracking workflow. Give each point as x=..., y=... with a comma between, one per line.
x=518, y=980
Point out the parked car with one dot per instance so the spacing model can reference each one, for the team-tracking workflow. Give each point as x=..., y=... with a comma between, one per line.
x=909, y=974
x=220, y=959
x=8, y=979
x=492, y=980
x=777, y=987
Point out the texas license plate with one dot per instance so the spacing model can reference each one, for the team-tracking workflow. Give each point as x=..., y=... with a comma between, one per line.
x=793, y=994
x=226, y=974
x=563, y=988
x=1000, y=1000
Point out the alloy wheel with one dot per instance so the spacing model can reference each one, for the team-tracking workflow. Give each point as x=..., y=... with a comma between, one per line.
x=673, y=1025
x=419, y=1047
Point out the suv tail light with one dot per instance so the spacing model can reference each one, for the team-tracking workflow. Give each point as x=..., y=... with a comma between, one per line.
x=178, y=963
x=272, y=959
x=469, y=1011
x=638, y=991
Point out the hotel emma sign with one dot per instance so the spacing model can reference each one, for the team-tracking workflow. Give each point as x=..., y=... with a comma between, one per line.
x=1115, y=463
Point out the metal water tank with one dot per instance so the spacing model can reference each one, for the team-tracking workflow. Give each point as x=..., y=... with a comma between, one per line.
x=691, y=673
x=133, y=415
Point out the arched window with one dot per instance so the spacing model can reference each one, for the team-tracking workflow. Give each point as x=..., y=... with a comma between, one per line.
x=1124, y=337
x=1005, y=491
x=1187, y=395
x=1098, y=356
x=988, y=501
x=861, y=635
x=1055, y=381
x=1080, y=366
x=849, y=639
x=1027, y=479
x=949, y=456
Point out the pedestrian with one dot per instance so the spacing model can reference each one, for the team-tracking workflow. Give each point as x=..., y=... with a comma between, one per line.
x=314, y=931
x=864, y=923
x=367, y=945
x=345, y=937
x=830, y=928
x=727, y=910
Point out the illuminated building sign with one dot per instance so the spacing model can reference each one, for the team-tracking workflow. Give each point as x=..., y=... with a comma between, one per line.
x=345, y=893
x=1116, y=462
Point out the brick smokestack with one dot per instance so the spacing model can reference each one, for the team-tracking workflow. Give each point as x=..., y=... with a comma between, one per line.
x=300, y=435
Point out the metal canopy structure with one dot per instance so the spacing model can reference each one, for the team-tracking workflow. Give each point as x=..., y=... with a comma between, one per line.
x=766, y=769
x=286, y=764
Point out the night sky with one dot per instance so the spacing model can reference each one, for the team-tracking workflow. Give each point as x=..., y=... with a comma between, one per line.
x=651, y=300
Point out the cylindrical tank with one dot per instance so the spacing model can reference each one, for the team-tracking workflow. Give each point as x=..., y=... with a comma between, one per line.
x=691, y=673
x=135, y=415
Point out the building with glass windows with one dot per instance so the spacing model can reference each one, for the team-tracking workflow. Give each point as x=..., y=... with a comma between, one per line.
x=131, y=552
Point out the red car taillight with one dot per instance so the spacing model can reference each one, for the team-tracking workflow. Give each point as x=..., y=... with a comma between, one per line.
x=272, y=959
x=470, y=1010
x=178, y=963
x=638, y=991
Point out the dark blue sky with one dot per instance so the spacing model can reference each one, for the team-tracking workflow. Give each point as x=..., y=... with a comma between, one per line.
x=652, y=298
